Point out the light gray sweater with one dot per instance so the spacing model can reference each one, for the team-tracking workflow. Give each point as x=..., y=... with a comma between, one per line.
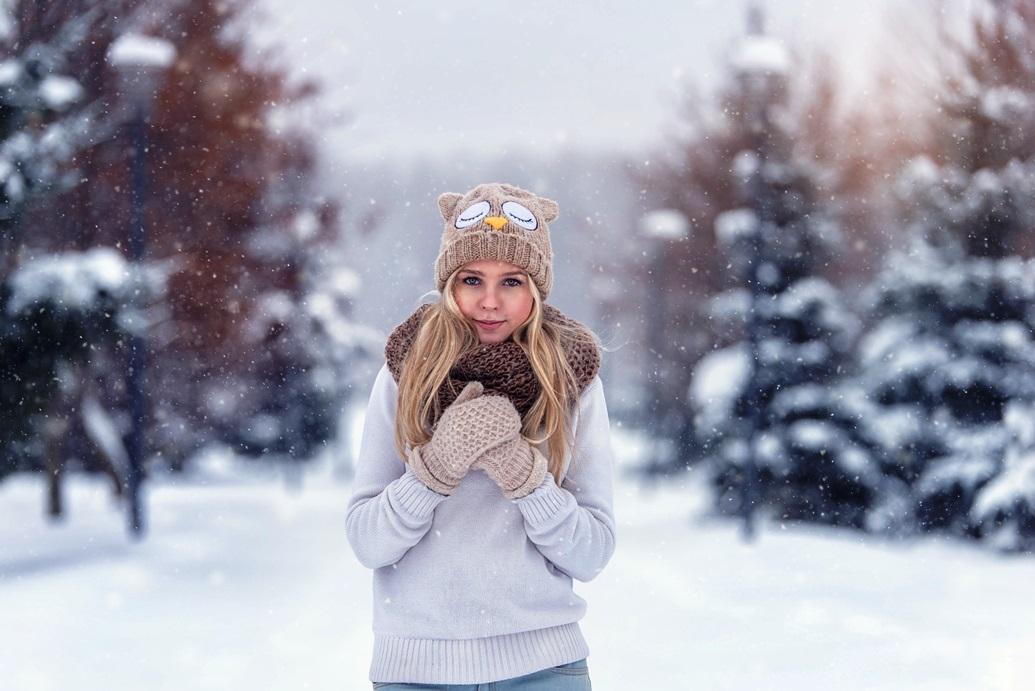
x=474, y=588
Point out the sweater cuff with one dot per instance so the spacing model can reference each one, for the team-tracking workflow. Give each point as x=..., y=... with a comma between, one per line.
x=411, y=495
x=546, y=501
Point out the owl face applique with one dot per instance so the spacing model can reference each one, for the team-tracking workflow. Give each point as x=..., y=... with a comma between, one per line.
x=512, y=211
x=494, y=206
x=497, y=221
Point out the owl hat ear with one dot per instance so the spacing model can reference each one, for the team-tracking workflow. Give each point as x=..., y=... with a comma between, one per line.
x=549, y=209
x=447, y=204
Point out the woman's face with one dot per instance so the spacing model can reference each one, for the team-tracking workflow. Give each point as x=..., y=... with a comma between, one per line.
x=492, y=291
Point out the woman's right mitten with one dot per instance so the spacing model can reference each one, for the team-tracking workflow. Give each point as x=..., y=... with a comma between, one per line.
x=515, y=466
x=467, y=428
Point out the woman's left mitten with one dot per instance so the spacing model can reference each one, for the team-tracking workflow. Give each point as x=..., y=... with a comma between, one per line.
x=515, y=465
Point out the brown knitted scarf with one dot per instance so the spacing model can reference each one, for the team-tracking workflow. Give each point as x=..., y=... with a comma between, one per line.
x=502, y=368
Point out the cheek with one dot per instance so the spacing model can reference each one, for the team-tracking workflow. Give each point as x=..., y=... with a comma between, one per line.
x=463, y=300
x=523, y=304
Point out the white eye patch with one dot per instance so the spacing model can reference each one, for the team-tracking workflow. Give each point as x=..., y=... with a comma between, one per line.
x=519, y=215
x=472, y=214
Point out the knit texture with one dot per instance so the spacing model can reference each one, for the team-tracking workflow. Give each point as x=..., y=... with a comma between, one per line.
x=472, y=425
x=515, y=466
x=473, y=587
x=501, y=222
x=503, y=368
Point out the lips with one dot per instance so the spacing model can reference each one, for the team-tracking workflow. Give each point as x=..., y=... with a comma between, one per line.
x=487, y=325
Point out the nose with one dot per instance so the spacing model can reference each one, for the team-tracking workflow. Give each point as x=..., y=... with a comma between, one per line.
x=489, y=300
x=496, y=222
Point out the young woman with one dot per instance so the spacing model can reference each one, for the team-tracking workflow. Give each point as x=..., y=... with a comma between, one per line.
x=484, y=479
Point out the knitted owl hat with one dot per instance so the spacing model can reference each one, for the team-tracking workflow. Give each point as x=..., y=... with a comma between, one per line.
x=501, y=222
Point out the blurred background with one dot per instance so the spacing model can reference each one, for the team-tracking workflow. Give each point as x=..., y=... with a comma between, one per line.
x=803, y=230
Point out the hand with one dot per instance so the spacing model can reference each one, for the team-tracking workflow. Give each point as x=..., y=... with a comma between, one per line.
x=515, y=465
x=469, y=427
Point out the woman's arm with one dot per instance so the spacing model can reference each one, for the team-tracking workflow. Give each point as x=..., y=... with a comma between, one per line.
x=573, y=525
x=390, y=509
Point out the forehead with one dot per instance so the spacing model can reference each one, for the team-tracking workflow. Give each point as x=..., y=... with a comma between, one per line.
x=491, y=267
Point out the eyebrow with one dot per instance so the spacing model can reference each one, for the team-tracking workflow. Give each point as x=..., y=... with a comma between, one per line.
x=479, y=273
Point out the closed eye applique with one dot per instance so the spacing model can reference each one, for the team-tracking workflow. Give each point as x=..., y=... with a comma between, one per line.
x=472, y=214
x=520, y=215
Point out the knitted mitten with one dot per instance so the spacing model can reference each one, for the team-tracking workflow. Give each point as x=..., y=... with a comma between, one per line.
x=515, y=465
x=469, y=427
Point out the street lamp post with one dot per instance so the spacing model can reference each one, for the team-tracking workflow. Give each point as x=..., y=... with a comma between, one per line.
x=659, y=227
x=761, y=66
x=140, y=62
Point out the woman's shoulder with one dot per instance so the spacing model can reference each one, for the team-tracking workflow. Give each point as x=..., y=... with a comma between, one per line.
x=595, y=384
x=593, y=391
x=384, y=386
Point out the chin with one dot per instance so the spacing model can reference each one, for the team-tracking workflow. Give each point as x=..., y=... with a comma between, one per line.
x=487, y=338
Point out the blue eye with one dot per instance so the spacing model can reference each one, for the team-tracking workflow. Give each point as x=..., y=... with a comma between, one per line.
x=516, y=281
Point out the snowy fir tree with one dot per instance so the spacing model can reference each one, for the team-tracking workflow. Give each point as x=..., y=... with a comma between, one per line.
x=778, y=431
x=44, y=118
x=1004, y=508
x=683, y=187
x=950, y=361
x=65, y=318
x=230, y=199
x=700, y=174
x=241, y=327
x=45, y=121
x=306, y=340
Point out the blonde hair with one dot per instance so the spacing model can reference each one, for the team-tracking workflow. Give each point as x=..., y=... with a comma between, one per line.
x=445, y=335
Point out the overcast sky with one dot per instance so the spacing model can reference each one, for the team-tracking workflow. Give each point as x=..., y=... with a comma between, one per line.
x=480, y=76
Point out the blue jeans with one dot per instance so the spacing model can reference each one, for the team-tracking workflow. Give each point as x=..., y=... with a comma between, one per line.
x=573, y=676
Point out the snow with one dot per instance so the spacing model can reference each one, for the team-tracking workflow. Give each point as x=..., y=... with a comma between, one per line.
x=246, y=583
x=920, y=171
x=276, y=305
x=947, y=472
x=923, y=355
x=719, y=378
x=731, y=305
x=71, y=279
x=779, y=352
x=664, y=224
x=732, y=225
x=8, y=173
x=814, y=300
x=345, y=281
x=745, y=164
x=10, y=71
x=104, y=432
x=305, y=225
x=1004, y=103
x=58, y=92
x=1010, y=337
x=140, y=50
x=762, y=54
x=815, y=435
x=957, y=196
x=1014, y=487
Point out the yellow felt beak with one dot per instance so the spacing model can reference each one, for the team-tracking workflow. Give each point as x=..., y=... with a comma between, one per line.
x=496, y=222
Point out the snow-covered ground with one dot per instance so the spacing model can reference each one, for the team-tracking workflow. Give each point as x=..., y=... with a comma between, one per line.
x=244, y=582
